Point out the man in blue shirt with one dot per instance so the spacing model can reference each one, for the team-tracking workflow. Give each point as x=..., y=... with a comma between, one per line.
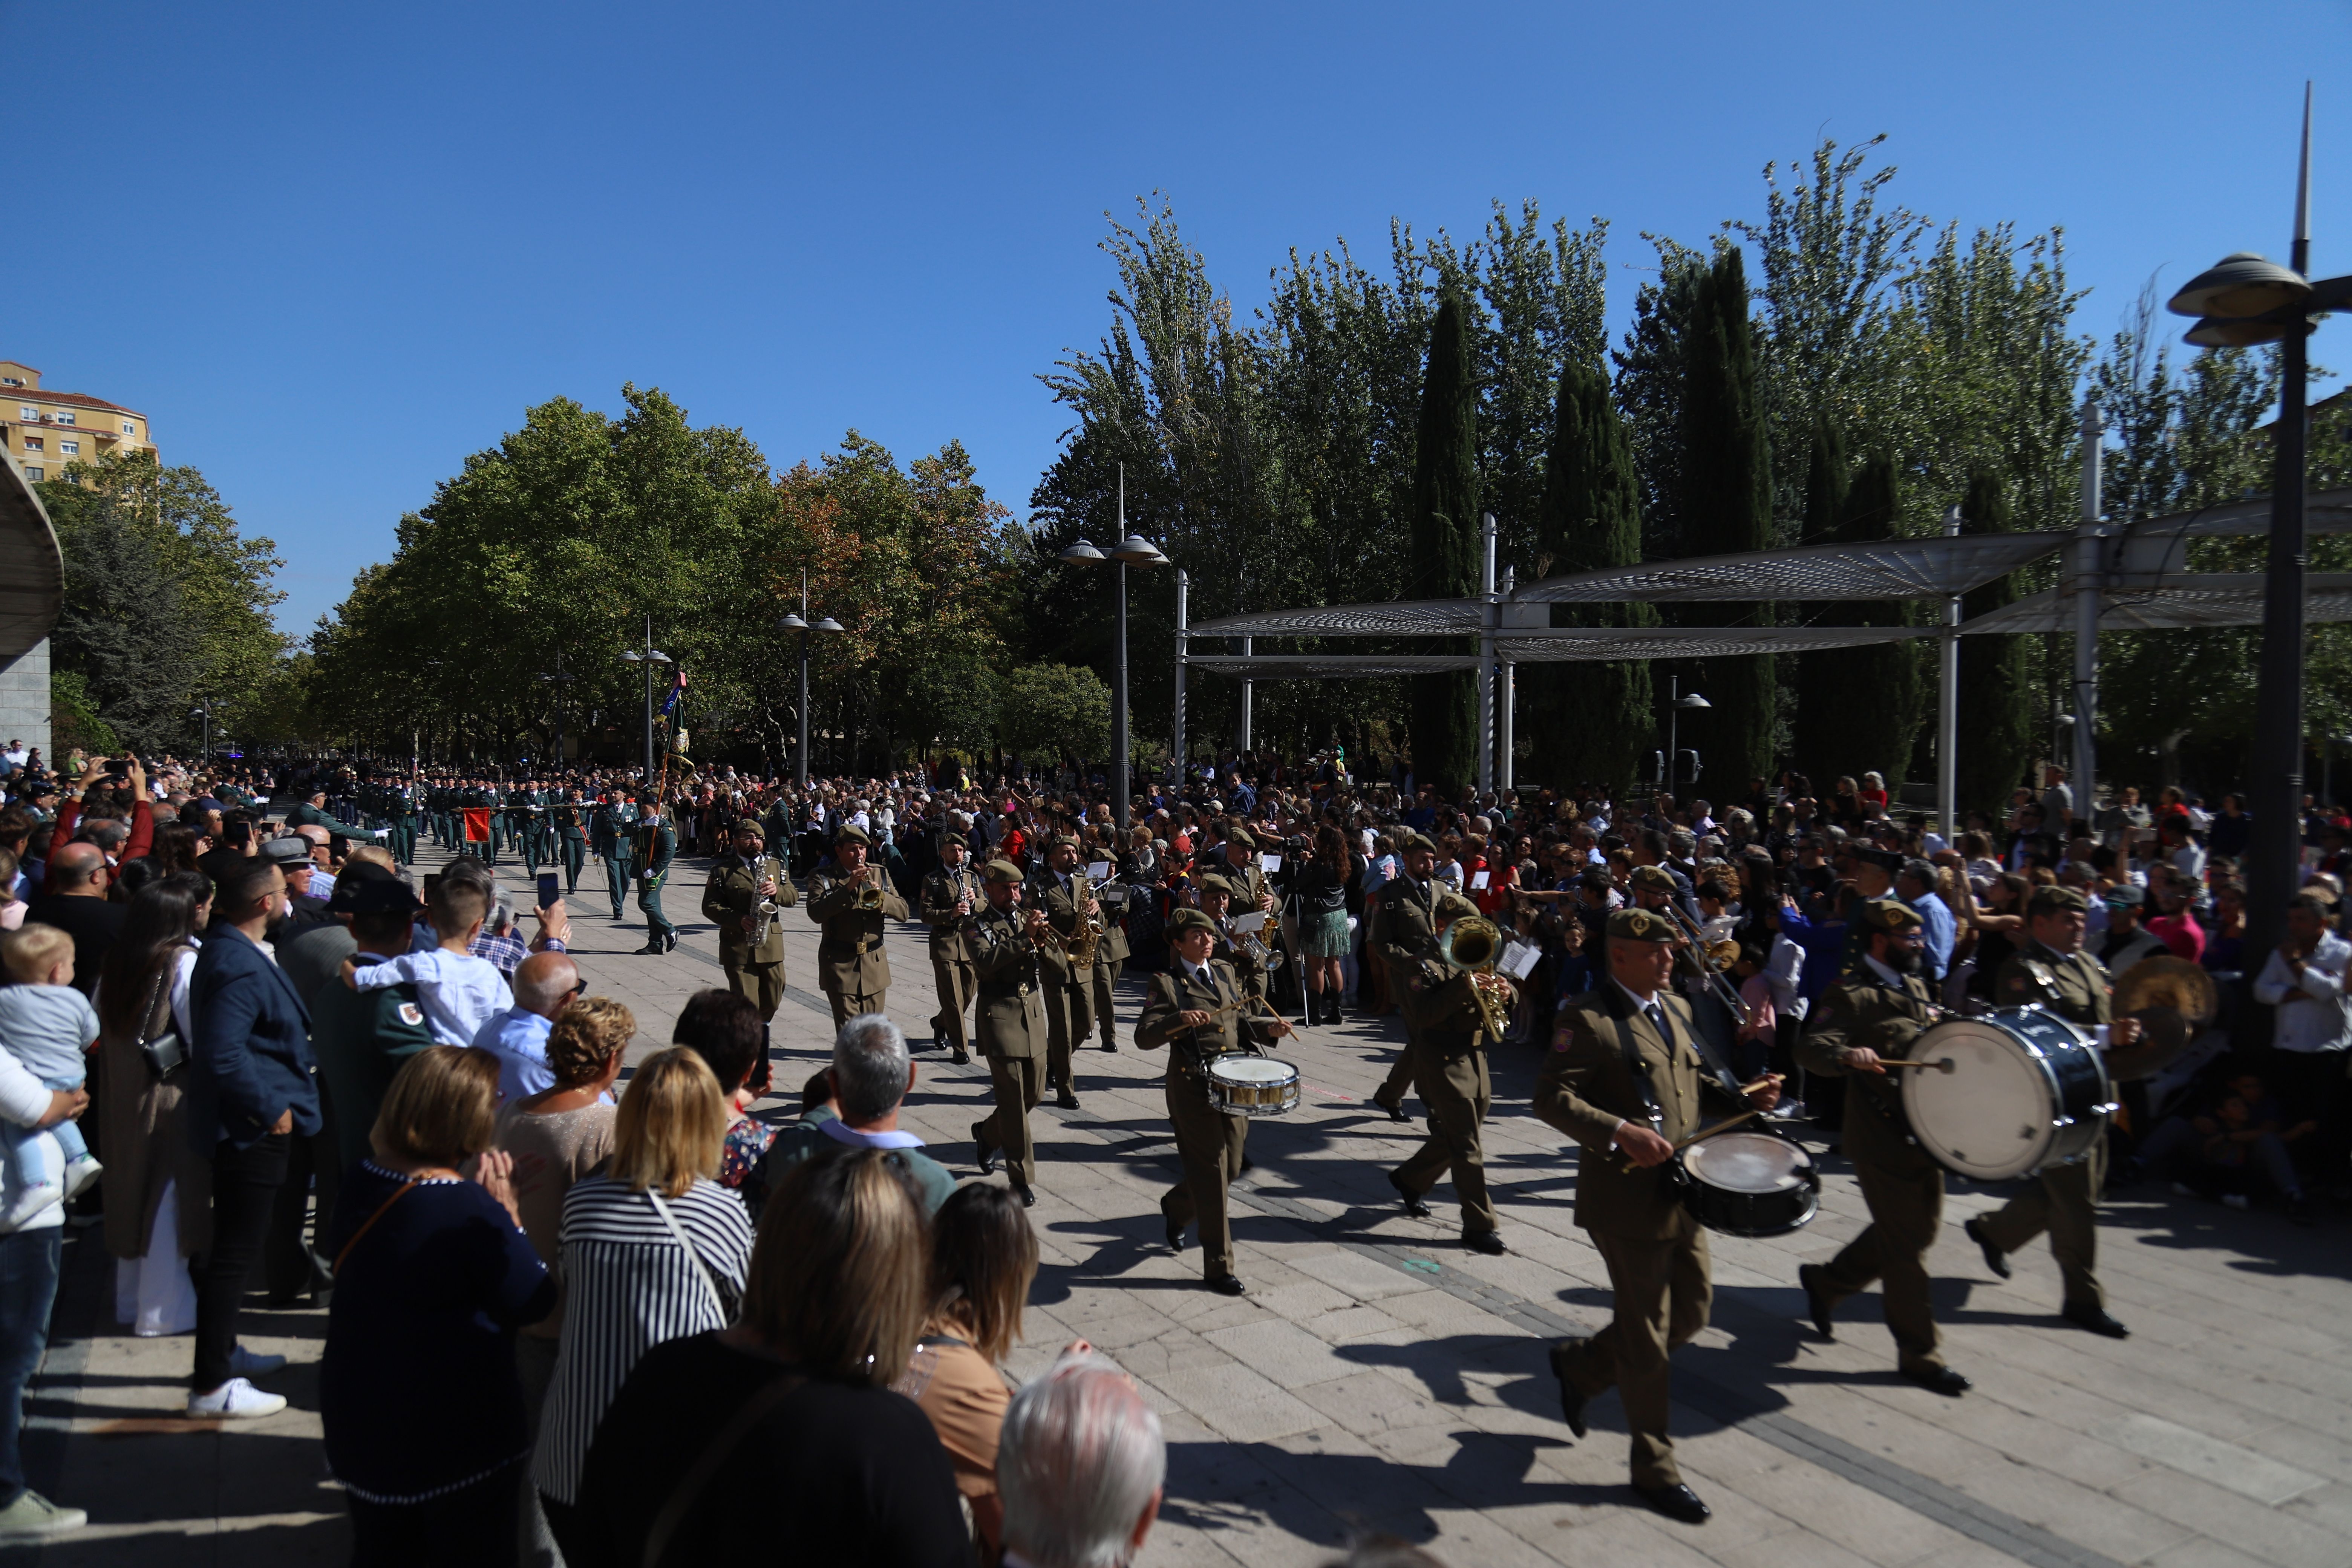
x=545, y=985
x=1915, y=886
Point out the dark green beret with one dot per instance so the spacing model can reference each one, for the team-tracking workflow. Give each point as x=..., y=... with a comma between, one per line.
x=1242, y=836
x=1183, y=921
x=1656, y=879
x=1891, y=914
x=1454, y=905
x=955, y=838
x=2057, y=901
x=1000, y=871
x=1640, y=925
x=850, y=833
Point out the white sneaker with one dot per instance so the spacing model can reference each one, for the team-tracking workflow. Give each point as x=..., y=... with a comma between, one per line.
x=29, y=1203
x=237, y=1400
x=243, y=1362
x=80, y=1174
x=33, y=1515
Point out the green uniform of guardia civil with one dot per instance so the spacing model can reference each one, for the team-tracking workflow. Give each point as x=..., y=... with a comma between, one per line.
x=1446, y=1045
x=529, y=809
x=1904, y=1187
x=730, y=897
x=571, y=840
x=1069, y=990
x=851, y=966
x=2063, y=1199
x=1208, y=1140
x=305, y=814
x=1012, y=1033
x=1655, y=1252
x=1404, y=935
x=952, y=972
x=655, y=847
x=618, y=824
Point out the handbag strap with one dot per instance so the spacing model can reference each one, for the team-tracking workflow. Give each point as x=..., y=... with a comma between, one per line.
x=154, y=994
x=691, y=1485
x=701, y=1270
x=368, y=1224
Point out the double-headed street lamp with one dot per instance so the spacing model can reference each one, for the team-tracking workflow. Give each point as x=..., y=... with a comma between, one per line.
x=801, y=623
x=1132, y=550
x=649, y=657
x=2246, y=300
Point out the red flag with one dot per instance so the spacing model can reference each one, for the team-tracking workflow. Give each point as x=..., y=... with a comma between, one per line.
x=478, y=824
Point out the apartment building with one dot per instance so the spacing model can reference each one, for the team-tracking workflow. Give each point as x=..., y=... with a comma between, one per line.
x=46, y=431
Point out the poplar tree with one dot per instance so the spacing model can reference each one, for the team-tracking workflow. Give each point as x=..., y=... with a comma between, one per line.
x=1446, y=545
x=1997, y=695
x=1827, y=479
x=1861, y=711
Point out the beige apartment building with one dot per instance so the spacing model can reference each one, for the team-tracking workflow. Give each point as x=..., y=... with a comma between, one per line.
x=46, y=431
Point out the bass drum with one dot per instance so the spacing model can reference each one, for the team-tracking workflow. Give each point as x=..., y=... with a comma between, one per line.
x=1750, y=1183
x=2024, y=1089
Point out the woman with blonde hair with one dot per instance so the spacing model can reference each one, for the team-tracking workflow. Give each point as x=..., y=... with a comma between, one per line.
x=783, y=1433
x=654, y=1250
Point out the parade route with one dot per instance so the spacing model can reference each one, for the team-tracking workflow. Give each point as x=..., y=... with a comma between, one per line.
x=1379, y=1377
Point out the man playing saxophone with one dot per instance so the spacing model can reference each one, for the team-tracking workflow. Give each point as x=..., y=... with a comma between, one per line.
x=951, y=898
x=1065, y=895
x=852, y=902
x=745, y=890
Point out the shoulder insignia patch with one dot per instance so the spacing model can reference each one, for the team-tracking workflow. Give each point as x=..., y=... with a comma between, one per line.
x=412, y=1014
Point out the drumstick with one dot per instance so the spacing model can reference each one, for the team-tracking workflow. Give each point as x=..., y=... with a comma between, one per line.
x=1708, y=1133
x=1941, y=1064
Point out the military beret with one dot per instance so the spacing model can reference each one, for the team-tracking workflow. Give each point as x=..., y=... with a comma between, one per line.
x=750, y=825
x=1242, y=836
x=1214, y=885
x=1655, y=879
x=1891, y=914
x=1183, y=921
x=1000, y=871
x=1454, y=905
x=1409, y=842
x=2057, y=901
x=2125, y=896
x=1062, y=841
x=1887, y=860
x=850, y=833
x=955, y=838
x=289, y=850
x=1640, y=925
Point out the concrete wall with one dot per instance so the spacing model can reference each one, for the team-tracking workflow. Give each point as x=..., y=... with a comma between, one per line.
x=25, y=700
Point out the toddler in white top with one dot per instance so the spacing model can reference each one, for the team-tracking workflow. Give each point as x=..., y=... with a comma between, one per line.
x=48, y=1026
x=457, y=992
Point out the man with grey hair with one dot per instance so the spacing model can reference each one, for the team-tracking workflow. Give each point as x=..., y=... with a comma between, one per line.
x=872, y=1071
x=1080, y=1464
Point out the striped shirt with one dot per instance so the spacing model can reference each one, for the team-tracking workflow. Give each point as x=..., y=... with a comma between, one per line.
x=628, y=1287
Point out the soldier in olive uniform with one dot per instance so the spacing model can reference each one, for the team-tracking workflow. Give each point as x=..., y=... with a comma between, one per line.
x=1623, y=1079
x=1110, y=956
x=739, y=882
x=1875, y=1011
x=1404, y=936
x=1447, y=1047
x=1006, y=941
x=1061, y=890
x=2052, y=970
x=1215, y=896
x=851, y=966
x=951, y=895
x=657, y=844
x=1197, y=1008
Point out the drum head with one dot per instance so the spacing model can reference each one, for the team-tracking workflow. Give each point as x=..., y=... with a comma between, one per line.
x=1747, y=1163
x=1989, y=1119
x=1253, y=1069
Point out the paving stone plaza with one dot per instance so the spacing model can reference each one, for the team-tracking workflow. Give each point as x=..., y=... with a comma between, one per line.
x=1378, y=1377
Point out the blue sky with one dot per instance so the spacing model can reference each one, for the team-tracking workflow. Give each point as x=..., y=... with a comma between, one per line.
x=332, y=251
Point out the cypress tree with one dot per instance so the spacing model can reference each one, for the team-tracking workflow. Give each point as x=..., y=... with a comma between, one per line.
x=1727, y=507
x=1864, y=712
x=1592, y=719
x=1827, y=479
x=1445, y=546
x=1996, y=722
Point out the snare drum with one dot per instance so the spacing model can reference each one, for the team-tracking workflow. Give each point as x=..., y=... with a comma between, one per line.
x=1252, y=1085
x=2026, y=1089
x=1750, y=1183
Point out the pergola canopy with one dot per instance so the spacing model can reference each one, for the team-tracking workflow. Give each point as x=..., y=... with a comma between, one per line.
x=32, y=569
x=2184, y=601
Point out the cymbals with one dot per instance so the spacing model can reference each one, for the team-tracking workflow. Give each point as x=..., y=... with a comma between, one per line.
x=2168, y=982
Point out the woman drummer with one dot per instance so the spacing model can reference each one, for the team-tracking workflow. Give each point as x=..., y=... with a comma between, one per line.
x=1197, y=1008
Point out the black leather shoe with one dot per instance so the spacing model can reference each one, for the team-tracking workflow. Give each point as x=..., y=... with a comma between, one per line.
x=1228, y=1285
x=1396, y=1112
x=1677, y=1503
x=1175, y=1232
x=1066, y=1100
x=1817, y=1306
x=1028, y=1195
x=671, y=939
x=1995, y=1258
x=2098, y=1320
x=985, y=1156
x=1571, y=1402
x=1489, y=1242
x=963, y=1057
x=1110, y=1045
x=1940, y=1380
x=653, y=949
x=1413, y=1204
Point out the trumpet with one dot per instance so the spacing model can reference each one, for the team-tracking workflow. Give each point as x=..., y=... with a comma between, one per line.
x=763, y=869
x=870, y=892
x=1472, y=946
x=1708, y=959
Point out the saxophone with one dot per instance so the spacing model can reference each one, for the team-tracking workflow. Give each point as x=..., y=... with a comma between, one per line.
x=766, y=912
x=1082, y=942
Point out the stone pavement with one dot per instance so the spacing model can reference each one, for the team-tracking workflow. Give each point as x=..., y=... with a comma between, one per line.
x=1378, y=1377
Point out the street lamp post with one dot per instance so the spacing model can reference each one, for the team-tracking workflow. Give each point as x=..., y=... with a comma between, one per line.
x=1677, y=699
x=205, y=710
x=2246, y=300
x=799, y=623
x=1132, y=550
x=559, y=680
x=649, y=657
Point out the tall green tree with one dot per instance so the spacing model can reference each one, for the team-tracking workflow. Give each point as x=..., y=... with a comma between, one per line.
x=1818, y=675
x=127, y=628
x=1997, y=688
x=1446, y=545
x=1726, y=506
x=1592, y=720
x=1861, y=707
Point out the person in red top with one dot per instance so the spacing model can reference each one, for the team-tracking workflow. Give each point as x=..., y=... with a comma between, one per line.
x=143, y=813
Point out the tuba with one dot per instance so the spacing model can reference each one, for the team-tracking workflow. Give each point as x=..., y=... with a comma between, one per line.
x=1472, y=945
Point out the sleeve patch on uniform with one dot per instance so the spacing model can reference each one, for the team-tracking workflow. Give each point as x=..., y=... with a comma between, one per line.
x=411, y=1015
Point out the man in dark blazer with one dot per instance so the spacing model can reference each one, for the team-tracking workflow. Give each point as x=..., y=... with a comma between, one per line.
x=249, y=1095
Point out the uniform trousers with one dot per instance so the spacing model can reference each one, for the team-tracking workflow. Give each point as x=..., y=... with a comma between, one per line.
x=575, y=855
x=1455, y=1087
x=2064, y=1200
x=649, y=892
x=956, y=981
x=1069, y=1019
x=1906, y=1212
x=761, y=985
x=1018, y=1082
x=1400, y=1078
x=1662, y=1292
x=1209, y=1142
x=848, y=1005
x=616, y=882
x=1105, y=976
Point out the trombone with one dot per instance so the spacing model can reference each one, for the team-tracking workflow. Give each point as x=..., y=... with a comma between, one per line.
x=1708, y=959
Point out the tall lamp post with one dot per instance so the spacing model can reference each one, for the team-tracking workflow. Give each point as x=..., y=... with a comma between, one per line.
x=649, y=657
x=801, y=623
x=1676, y=701
x=205, y=710
x=559, y=680
x=1132, y=550
x=2246, y=300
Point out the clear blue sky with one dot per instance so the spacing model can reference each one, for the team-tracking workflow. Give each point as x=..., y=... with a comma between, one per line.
x=332, y=249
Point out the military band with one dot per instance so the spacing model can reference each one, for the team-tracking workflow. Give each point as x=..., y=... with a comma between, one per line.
x=951, y=898
x=1403, y=937
x=746, y=889
x=1008, y=944
x=852, y=902
x=1065, y=895
x=1450, y=1029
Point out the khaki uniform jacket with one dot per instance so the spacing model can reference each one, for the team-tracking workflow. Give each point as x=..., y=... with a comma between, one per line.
x=1045, y=893
x=950, y=936
x=1012, y=1003
x=1173, y=990
x=1249, y=885
x=849, y=956
x=732, y=896
x=2073, y=988
x=1586, y=1089
x=1863, y=1011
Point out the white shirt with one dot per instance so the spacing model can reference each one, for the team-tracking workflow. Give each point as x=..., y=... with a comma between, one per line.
x=2319, y=1019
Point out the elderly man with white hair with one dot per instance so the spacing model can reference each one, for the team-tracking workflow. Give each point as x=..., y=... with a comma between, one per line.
x=1080, y=1464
